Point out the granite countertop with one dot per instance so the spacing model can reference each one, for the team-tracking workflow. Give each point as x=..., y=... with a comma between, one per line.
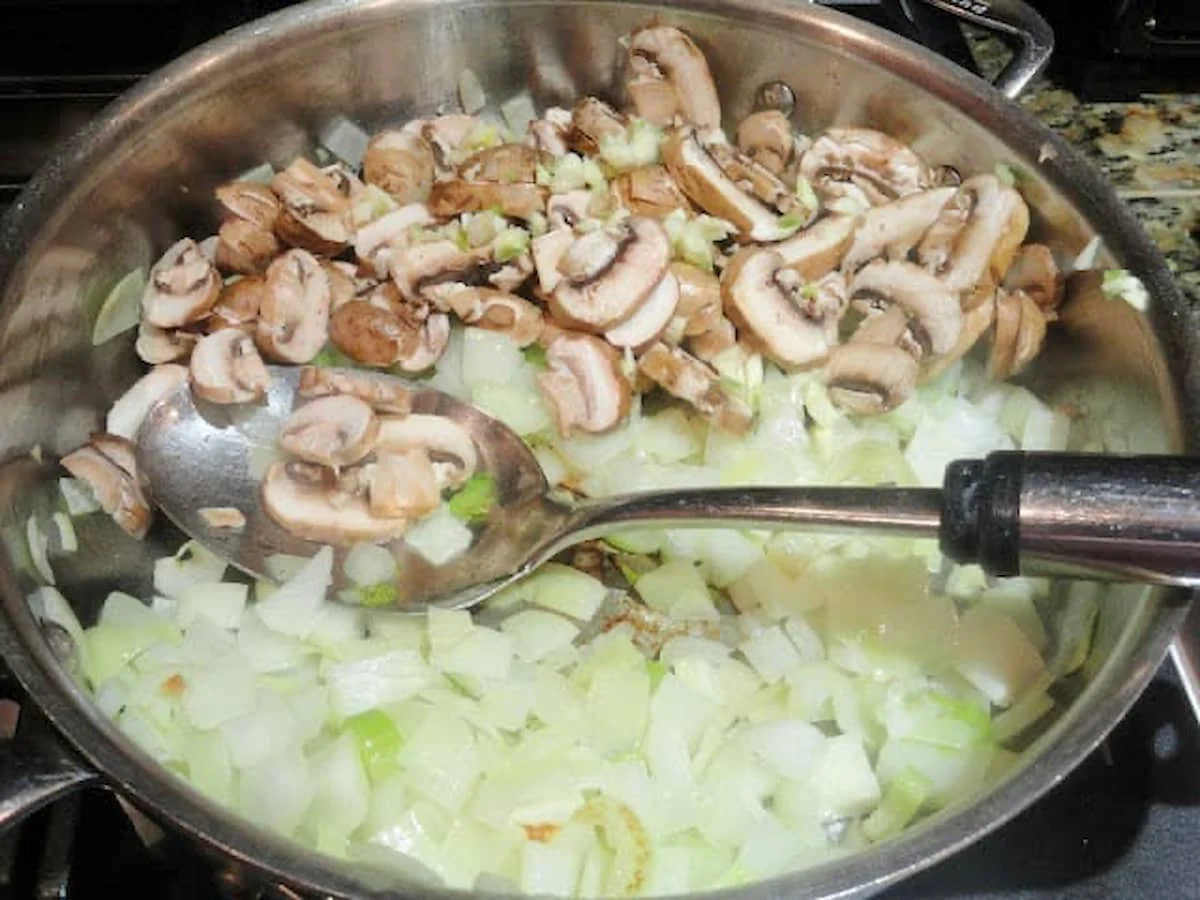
x=1150, y=151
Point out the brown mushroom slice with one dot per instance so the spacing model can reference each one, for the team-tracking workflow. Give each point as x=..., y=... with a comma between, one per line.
x=518, y=200
x=699, y=298
x=311, y=502
x=127, y=414
x=182, y=287
x=694, y=381
x=108, y=465
x=705, y=183
x=709, y=344
x=250, y=202
x=226, y=368
x=343, y=283
x=1035, y=272
x=369, y=334
x=293, y=318
x=754, y=178
x=935, y=317
x=650, y=319
x=863, y=166
x=794, y=322
x=584, y=385
x=401, y=164
x=592, y=122
x=434, y=262
x=983, y=227
x=650, y=191
x=382, y=396
x=156, y=345
x=335, y=431
x=244, y=247
x=504, y=163
x=492, y=309
x=223, y=518
x=403, y=485
x=433, y=336
x=446, y=135
x=548, y=250
x=766, y=137
x=449, y=445
x=238, y=304
x=549, y=133
x=818, y=249
x=1020, y=330
x=868, y=378
x=569, y=209
x=609, y=273
x=671, y=77
x=315, y=216
x=891, y=231
x=975, y=322
x=375, y=241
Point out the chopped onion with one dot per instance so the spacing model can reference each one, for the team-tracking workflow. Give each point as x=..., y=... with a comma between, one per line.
x=368, y=564
x=39, y=545
x=470, y=92
x=345, y=140
x=440, y=536
x=78, y=497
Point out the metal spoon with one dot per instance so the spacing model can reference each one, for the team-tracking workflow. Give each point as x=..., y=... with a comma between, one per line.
x=1125, y=518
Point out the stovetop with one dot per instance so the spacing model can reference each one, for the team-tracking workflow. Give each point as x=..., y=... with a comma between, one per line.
x=1124, y=824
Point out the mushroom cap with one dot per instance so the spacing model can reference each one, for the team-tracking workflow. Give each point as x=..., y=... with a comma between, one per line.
x=975, y=321
x=403, y=485
x=867, y=378
x=445, y=134
x=371, y=335
x=382, y=396
x=1035, y=272
x=127, y=414
x=108, y=464
x=717, y=338
x=376, y=240
x=819, y=249
x=932, y=308
x=688, y=378
x=433, y=336
x=548, y=250
x=250, y=202
x=492, y=309
x=245, y=247
x=789, y=320
x=314, y=214
x=293, y=317
x=650, y=191
x=401, y=164
x=238, y=304
x=699, y=297
x=519, y=200
x=156, y=345
x=650, y=319
x=767, y=138
x=612, y=276
x=308, y=501
x=704, y=182
x=338, y=430
x=662, y=53
x=584, y=385
x=567, y=210
x=1020, y=330
x=865, y=165
x=449, y=445
x=893, y=229
x=343, y=285
x=503, y=164
x=226, y=368
x=182, y=287
x=434, y=262
x=593, y=120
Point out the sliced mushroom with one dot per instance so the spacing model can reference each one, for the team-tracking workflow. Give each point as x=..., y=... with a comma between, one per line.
x=977, y=234
x=708, y=344
x=671, y=78
x=226, y=368
x=548, y=250
x=868, y=378
x=447, y=135
x=127, y=414
x=702, y=176
x=650, y=191
x=434, y=262
x=223, y=518
x=609, y=273
x=505, y=164
x=975, y=321
x=182, y=287
x=403, y=485
x=699, y=298
x=108, y=464
x=1020, y=330
x=343, y=282
x=549, y=133
x=863, y=167
x=688, y=378
x=348, y=184
x=649, y=320
x=794, y=322
x=766, y=137
x=592, y=122
x=293, y=318
x=249, y=201
x=238, y=304
x=374, y=242
x=449, y=445
x=400, y=163
x=584, y=386
x=818, y=249
x=570, y=209
x=244, y=247
x=315, y=216
x=335, y=431
x=161, y=345
x=312, y=502
x=381, y=396
x=371, y=335
x=433, y=336
x=518, y=200
x=1035, y=272
x=935, y=317
x=892, y=230
x=491, y=309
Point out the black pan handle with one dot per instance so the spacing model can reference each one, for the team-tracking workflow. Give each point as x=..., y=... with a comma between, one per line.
x=1014, y=19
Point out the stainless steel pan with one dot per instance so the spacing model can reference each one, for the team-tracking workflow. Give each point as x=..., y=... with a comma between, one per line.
x=142, y=174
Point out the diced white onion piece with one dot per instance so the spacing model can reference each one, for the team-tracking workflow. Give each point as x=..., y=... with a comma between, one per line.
x=277, y=791
x=770, y=653
x=537, y=634
x=39, y=545
x=470, y=92
x=364, y=684
x=193, y=564
x=368, y=564
x=78, y=496
x=845, y=782
x=67, y=538
x=293, y=609
x=345, y=140
x=439, y=537
x=265, y=649
x=677, y=590
x=518, y=112
x=221, y=604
